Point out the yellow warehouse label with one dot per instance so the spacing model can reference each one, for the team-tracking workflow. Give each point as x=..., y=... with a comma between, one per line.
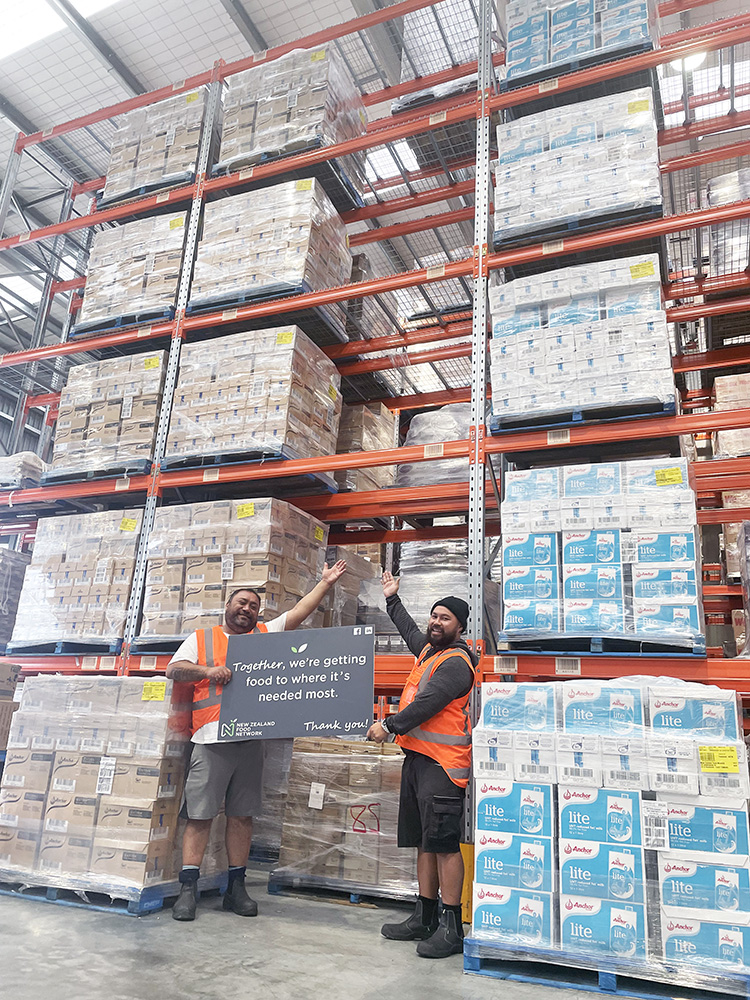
x=305, y=185
x=285, y=336
x=189, y=98
x=332, y=393
x=719, y=760
x=154, y=691
x=319, y=534
x=669, y=477
x=177, y=223
x=246, y=510
x=317, y=56
x=643, y=270
x=128, y=524
x=635, y=107
x=151, y=362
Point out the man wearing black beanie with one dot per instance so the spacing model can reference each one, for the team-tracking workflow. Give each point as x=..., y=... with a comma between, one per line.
x=433, y=728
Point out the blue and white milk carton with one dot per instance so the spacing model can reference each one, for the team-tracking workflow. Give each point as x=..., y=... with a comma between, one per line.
x=607, y=708
x=662, y=547
x=612, y=817
x=526, y=549
x=492, y=753
x=695, y=712
x=528, y=707
x=585, y=547
x=579, y=759
x=587, y=480
x=625, y=763
x=513, y=807
x=534, y=583
x=532, y=484
x=586, y=616
x=515, y=861
x=602, y=927
x=524, y=616
x=702, y=826
x=706, y=891
x=665, y=584
x=655, y=475
x=605, y=871
x=535, y=757
x=592, y=581
x=668, y=619
x=719, y=947
x=513, y=916
x=673, y=764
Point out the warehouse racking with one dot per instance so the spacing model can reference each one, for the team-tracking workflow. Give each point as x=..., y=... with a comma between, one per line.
x=441, y=358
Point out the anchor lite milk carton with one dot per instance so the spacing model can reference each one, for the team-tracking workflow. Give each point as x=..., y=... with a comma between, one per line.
x=604, y=871
x=514, y=861
x=708, y=714
x=721, y=947
x=525, y=707
x=604, y=927
x=513, y=807
x=600, y=547
x=600, y=814
x=625, y=763
x=701, y=825
x=710, y=890
x=595, y=707
x=513, y=916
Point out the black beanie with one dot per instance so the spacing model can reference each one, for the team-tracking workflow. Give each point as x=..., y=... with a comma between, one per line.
x=456, y=606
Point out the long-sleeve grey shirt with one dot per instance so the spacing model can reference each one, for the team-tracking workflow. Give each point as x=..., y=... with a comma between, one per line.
x=452, y=679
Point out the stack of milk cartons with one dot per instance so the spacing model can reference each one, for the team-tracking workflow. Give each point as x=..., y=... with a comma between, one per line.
x=514, y=831
x=602, y=768
x=702, y=837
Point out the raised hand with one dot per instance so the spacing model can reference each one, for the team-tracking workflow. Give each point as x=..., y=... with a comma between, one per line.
x=390, y=584
x=330, y=576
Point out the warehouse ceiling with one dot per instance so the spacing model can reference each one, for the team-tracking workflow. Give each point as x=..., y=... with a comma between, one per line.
x=60, y=59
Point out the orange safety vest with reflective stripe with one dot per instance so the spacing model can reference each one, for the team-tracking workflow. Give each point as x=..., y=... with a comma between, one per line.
x=446, y=737
x=212, y=652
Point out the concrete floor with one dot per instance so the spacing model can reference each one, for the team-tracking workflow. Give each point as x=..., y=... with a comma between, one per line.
x=329, y=951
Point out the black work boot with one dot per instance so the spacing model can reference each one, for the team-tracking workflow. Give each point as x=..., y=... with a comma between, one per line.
x=237, y=900
x=184, y=907
x=420, y=925
x=447, y=940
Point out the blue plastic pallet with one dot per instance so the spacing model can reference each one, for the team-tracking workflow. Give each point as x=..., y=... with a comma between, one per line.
x=107, y=898
x=111, y=325
x=595, y=58
x=576, y=227
x=281, y=883
x=565, y=644
x=66, y=647
x=140, y=467
x=582, y=416
x=285, y=484
x=144, y=190
x=623, y=979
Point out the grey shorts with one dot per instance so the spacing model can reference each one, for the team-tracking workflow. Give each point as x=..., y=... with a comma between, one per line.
x=224, y=774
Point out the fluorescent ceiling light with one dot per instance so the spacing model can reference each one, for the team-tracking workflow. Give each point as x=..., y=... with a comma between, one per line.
x=690, y=62
x=31, y=21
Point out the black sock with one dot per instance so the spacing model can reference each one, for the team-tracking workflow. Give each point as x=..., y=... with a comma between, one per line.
x=429, y=907
x=458, y=910
x=189, y=873
x=236, y=872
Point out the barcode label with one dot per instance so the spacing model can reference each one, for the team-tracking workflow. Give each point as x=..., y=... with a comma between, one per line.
x=437, y=271
x=122, y=484
x=561, y=436
x=119, y=746
x=655, y=826
x=42, y=743
x=89, y=662
x=554, y=246
x=127, y=408
x=535, y=769
x=147, y=663
x=438, y=117
x=493, y=765
x=14, y=780
x=666, y=778
x=167, y=791
x=50, y=866
x=434, y=450
x=506, y=665
x=229, y=314
x=546, y=85
x=246, y=173
x=227, y=566
x=79, y=706
x=568, y=666
x=578, y=772
x=106, y=776
x=210, y=475
x=56, y=825
x=631, y=777
x=8, y=819
x=64, y=785
x=712, y=781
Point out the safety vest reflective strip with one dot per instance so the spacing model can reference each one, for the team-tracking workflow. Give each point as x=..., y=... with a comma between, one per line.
x=448, y=740
x=212, y=652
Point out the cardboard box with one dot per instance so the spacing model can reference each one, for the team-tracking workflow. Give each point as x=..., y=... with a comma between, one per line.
x=70, y=814
x=18, y=848
x=124, y=820
x=147, y=779
x=60, y=854
x=22, y=810
x=7, y=708
x=27, y=770
x=139, y=863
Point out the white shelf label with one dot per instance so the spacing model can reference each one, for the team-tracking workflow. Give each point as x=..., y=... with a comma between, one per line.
x=162, y=196
x=229, y=314
x=89, y=662
x=554, y=246
x=561, y=436
x=122, y=484
x=568, y=666
x=210, y=475
x=546, y=85
x=147, y=663
x=434, y=450
x=438, y=271
x=246, y=173
x=144, y=331
x=506, y=664
x=438, y=117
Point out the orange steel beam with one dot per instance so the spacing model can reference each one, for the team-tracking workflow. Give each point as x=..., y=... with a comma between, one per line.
x=433, y=533
x=397, y=341
x=705, y=126
x=410, y=201
x=706, y=156
x=425, y=173
x=723, y=307
x=420, y=399
x=44, y=399
x=428, y=80
x=74, y=491
x=724, y=672
x=725, y=357
x=411, y=226
x=703, y=30
x=710, y=97
x=405, y=360
x=691, y=287
x=129, y=336
x=728, y=516
x=67, y=286
x=678, y=6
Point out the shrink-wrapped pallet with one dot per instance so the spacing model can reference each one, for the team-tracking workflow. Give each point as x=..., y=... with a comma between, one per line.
x=366, y=427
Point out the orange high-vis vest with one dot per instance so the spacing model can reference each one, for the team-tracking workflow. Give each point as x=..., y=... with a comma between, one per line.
x=212, y=652
x=446, y=737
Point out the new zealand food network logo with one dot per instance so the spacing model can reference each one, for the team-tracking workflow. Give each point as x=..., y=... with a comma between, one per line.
x=227, y=729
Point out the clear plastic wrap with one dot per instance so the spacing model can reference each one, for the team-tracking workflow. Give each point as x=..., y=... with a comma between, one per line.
x=729, y=242
x=733, y=555
x=541, y=34
x=198, y=553
x=449, y=423
x=611, y=828
x=583, y=337
x=78, y=583
x=366, y=427
x=262, y=391
x=609, y=550
x=133, y=271
x=156, y=146
x=303, y=100
x=21, y=470
x=12, y=568
x=742, y=555
x=93, y=780
x=345, y=602
x=271, y=242
x=577, y=162
x=277, y=760
x=108, y=413
x=731, y=392
x=351, y=840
